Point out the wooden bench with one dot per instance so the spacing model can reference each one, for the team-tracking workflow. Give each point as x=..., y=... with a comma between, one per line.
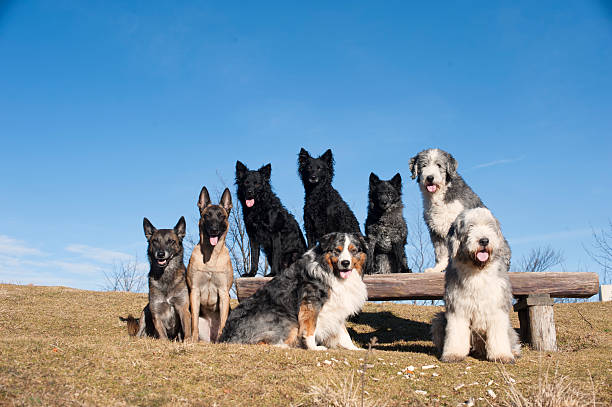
x=534, y=292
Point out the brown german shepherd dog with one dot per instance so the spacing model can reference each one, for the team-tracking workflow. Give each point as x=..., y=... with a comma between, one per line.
x=210, y=274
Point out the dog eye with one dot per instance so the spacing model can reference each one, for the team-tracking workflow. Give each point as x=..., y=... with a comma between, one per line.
x=171, y=241
x=439, y=166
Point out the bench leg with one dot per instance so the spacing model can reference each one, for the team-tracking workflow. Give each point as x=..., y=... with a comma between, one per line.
x=537, y=321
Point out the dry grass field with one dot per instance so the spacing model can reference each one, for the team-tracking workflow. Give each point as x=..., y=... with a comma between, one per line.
x=62, y=346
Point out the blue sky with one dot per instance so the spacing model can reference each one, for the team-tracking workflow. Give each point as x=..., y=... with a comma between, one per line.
x=111, y=111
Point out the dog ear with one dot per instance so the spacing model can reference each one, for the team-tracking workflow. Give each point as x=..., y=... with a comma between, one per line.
x=266, y=171
x=303, y=157
x=396, y=181
x=204, y=199
x=149, y=229
x=453, y=240
x=180, y=228
x=413, y=166
x=326, y=242
x=241, y=169
x=363, y=244
x=226, y=201
x=328, y=157
x=374, y=179
x=451, y=164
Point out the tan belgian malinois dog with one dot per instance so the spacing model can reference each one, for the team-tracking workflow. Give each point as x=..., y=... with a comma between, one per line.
x=210, y=274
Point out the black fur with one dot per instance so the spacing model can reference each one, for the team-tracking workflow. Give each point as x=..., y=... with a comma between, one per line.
x=385, y=227
x=324, y=209
x=268, y=223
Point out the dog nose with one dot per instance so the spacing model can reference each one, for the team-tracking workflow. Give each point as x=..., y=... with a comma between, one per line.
x=345, y=263
x=160, y=254
x=430, y=178
x=484, y=241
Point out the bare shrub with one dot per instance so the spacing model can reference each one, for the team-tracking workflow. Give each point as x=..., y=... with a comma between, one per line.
x=125, y=276
x=601, y=252
x=540, y=259
x=420, y=249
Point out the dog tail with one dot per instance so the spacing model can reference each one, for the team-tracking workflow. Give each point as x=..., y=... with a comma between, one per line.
x=438, y=330
x=132, y=324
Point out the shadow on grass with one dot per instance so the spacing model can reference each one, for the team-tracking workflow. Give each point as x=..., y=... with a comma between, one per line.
x=392, y=332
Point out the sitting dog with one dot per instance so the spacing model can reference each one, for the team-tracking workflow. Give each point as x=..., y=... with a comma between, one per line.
x=324, y=209
x=268, y=224
x=477, y=293
x=210, y=274
x=445, y=195
x=385, y=227
x=167, y=314
x=308, y=304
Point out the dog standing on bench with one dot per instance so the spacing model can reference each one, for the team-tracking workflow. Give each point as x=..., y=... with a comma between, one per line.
x=445, y=195
x=210, y=274
x=477, y=293
x=166, y=316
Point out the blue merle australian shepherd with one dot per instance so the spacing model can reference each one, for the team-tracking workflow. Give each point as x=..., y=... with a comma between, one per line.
x=308, y=304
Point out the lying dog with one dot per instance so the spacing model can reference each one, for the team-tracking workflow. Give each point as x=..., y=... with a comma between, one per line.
x=210, y=274
x=268, y=223
x=385, y=227
x=167, y=313
x=477, y=293
x=324, y=209
x=445, y=195
x=308, y=304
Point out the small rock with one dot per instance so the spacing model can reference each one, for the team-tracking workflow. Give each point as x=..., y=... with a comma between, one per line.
x=422, y=392
x=435, y=374
x=491, y=393
x=470, y=402
x=428, y=367
x=490, y=382
x=327, y=362
x=457, y=387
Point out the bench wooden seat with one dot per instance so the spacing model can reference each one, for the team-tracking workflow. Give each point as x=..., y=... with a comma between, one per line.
x=533, y=291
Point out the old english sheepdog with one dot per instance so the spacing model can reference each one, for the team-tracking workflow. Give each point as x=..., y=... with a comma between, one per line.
x=477, y=293
x=445, y=195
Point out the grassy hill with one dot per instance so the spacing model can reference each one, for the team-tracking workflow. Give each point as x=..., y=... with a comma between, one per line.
x=62, y=346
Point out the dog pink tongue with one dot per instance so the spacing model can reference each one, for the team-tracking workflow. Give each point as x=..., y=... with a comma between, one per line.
x=214, y=241
x=345, y=274
x=482, y=256
x=249, y=202
x=432, y=188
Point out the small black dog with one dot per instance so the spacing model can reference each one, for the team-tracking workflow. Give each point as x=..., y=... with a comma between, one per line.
x=268, y=223
x=385, y=227
x=167, y=314
x=324, y=209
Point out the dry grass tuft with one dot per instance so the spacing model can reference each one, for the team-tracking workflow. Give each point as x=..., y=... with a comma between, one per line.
x=342, y=393
x=557, y=391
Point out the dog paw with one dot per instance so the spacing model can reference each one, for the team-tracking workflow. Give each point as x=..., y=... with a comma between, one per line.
x=451, y=358
x=506, y=359
x=319, y=347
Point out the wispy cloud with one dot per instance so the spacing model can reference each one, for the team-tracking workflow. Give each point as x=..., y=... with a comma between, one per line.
x=545, y=237
x=100, y=255
x=79, y=265
x=498, y=162
x=13, y=247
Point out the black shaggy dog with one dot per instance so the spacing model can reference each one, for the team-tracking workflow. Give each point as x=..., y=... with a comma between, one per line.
x=385, y=227
x=268, y=223
x=324, y=209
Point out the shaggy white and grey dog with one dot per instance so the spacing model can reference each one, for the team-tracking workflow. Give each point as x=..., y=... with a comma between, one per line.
x=477, y=293
x=445, y=195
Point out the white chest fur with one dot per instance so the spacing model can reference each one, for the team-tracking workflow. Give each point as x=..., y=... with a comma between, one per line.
x=439, y=215
x=346, y=298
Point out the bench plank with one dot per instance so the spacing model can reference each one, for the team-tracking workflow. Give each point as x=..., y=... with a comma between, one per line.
x=430, y=286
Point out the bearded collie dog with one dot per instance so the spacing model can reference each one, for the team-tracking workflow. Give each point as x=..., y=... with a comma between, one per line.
x=306, y=305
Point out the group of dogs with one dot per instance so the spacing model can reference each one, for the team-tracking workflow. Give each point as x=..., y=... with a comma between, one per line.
x=318, y=281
